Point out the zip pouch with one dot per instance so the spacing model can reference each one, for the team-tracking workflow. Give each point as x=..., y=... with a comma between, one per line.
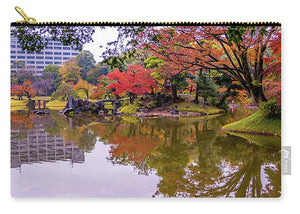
x=106, y=109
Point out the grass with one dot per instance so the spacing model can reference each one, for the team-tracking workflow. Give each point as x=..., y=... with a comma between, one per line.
x=192, y=107
x=256, y=124
x=130, y=108
x=21, y=104
x=18, y=104
x=56, y=104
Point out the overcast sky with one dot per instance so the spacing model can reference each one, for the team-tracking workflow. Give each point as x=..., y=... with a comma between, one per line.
x=101, y=37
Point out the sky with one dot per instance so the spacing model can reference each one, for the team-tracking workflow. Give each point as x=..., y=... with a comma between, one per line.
x=101, y=37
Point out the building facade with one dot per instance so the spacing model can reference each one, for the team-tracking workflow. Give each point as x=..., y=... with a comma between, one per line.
x=55, y=53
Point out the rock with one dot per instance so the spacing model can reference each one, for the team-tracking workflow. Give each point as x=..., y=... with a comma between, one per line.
x=175, y=110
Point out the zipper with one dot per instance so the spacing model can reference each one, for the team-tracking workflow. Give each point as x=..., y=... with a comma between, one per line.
x=32, y=21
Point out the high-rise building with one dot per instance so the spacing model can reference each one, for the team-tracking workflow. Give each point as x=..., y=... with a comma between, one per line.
x=55, y=53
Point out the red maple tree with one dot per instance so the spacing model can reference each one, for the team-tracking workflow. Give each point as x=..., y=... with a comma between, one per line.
x=25, y=89
x=136, y=80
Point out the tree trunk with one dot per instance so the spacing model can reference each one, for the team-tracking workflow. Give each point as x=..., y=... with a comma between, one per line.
x=196, y=100
x=131, y=98
x=174, y=92
x=257, y=95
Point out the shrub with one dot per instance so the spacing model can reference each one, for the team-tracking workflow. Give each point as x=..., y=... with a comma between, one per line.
x=270, y=109
x=63, y=91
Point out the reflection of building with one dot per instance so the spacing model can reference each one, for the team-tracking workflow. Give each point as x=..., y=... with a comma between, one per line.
x=39, y=146
x=55, y=53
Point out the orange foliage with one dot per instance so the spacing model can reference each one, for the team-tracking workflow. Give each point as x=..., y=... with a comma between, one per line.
x=137, y=147
x=25, y=89
x=21, y=120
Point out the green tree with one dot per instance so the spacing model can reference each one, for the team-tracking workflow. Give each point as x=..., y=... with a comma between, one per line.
x=17, y=65
x=86, y=61
x=95, y=73
x=63, y=91
x=24, y=74
x=205, y=88
x=51, y=72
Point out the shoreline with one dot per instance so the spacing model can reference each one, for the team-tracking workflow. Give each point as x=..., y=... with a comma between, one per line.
x=167, y=113
x=252, y=132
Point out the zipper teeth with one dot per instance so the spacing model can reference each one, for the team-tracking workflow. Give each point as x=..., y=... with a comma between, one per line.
x=155, y=23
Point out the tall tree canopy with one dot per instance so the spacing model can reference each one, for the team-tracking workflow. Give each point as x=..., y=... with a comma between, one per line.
x=237, y=51
x=242, y=52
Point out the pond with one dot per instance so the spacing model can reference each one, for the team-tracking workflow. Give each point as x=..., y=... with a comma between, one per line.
x=94, y=156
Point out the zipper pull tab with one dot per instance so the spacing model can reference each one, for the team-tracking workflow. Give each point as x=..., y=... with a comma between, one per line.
x=27, y=19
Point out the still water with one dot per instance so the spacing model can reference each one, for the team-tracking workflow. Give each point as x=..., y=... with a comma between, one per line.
x=94, y=156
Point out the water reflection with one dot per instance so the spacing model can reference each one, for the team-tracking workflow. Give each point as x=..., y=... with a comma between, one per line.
x=30, y=143
x=191, y=156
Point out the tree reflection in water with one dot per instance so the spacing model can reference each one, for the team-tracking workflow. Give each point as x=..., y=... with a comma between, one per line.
x=192, y=156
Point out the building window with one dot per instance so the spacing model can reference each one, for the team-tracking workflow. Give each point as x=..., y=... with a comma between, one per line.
x=65, y=53
x=50, y=43
x=39, y=62
x=57, y=57
x=12, y=57
x=30, y=62
x=31, y=57
x=21, y=57
x=57, y=48
x=13, y=52
x=20, y=52
x=40, y=53
x=74, y=54
x=48, y=53
x=57, y=53
x=49, y=62
x=40, y=57
x=18, y=46
x=66, y=48
x=48, y=57
x=66, y=58
x=12, y=61
x=40, y=67
x=49, y=48
x=57, y=63
x=57, y=43
x=12, y=46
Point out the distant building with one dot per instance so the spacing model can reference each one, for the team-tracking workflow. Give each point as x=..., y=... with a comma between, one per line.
x=55, y=53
